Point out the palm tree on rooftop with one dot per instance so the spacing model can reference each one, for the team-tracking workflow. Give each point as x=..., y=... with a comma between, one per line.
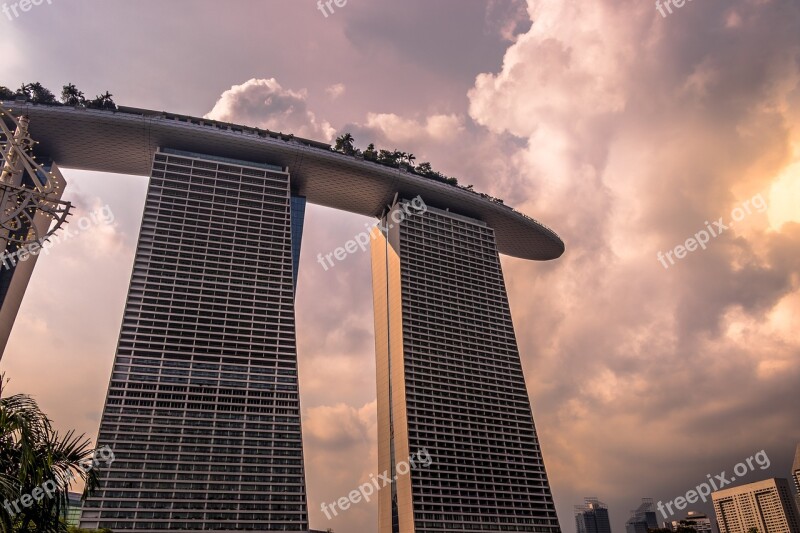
x=70, y=95
x=344, y=144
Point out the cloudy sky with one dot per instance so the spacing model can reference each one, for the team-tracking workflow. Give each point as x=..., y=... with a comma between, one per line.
x=626, y=131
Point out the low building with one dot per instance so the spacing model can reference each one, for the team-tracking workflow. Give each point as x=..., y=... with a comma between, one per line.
x=700, y=522
x=764, y=505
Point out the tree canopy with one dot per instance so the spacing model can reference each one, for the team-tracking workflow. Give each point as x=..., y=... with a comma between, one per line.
x=36, y=93
x=345, y=144
x=37, y=465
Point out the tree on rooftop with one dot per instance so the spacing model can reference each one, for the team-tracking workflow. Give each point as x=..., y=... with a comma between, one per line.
x=344, y=144
x=370, y=153
x=35, y=92
x=385, y=157
x=70, y=95
x=424, y=168
x=103, y=101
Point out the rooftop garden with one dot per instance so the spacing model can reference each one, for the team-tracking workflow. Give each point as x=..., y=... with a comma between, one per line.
x=345, y=144
x=36, y=93
x=70, y=95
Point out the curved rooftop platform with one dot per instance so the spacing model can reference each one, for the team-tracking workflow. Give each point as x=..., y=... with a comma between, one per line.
x=124, y=142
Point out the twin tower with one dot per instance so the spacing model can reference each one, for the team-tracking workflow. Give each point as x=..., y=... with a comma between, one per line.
x=203, y=411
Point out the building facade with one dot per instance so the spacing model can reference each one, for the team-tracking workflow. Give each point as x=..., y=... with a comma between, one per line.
x=765, y=505
x=74, y=512
x=202, y=410
x=592, y=517
x=700, y=522
x=450, y=382
x=643, y=518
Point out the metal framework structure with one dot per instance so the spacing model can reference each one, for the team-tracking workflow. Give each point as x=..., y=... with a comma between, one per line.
x=20, y=198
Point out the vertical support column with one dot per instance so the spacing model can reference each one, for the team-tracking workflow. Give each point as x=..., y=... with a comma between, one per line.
x=393, y=445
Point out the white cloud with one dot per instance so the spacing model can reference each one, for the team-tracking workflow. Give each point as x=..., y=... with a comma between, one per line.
x=435, y=128
x=625, y=154
x=265, y=104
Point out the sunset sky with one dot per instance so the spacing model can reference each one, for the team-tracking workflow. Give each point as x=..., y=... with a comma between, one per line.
x=625, y=131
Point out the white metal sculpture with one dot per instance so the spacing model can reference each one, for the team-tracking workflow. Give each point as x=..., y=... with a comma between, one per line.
x=27, y=189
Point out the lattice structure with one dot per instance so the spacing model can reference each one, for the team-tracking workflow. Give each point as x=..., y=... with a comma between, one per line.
x=26, y=187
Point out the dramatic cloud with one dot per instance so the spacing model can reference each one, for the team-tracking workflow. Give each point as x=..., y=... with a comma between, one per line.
x=638, y=130
x=507, y=18
x=265, y=104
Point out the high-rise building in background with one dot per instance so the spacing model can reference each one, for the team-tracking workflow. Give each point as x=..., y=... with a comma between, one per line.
x=643, y=518
x=450, y=381
x=700, y=522
x=765, y=505
x=592, y=517
x=202, y=410
x=74, y=512
x=796, y=477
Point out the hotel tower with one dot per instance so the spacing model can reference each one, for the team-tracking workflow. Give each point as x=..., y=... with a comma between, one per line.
x=450, y=382
x=202, y=411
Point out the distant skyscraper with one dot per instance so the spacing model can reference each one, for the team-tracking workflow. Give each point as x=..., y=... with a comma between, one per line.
x=450, y=381
x=592, y=517
x=796, y=477
x=699, y=521
x=202, y=410
x=643, y=518
x=765, y=505
x=74, y=511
